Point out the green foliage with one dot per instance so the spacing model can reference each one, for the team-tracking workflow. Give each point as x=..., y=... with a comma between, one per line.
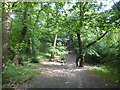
x=102, y=52
x=109, y=70
x=13, y=74
x=59, y=50
x=62, y=57
x=45, y=20
x=34, y=60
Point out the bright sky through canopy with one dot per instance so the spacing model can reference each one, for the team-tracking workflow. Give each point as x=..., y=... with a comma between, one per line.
x=108, y=4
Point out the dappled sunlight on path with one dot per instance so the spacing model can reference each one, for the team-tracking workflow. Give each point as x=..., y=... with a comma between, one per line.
x=51, y=63
x=64, y=75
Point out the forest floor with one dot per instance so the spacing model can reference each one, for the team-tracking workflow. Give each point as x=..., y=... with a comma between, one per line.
x=65, y=75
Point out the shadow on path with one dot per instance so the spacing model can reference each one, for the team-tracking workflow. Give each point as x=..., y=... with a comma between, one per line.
x=67, y=75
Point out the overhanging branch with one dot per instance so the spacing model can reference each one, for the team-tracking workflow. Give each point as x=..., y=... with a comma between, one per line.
x=96, y=40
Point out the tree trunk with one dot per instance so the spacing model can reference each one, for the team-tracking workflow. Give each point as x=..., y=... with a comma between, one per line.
x=119, y=45
x=28, y=47
x=54, y=46
x=0, y=40
x=23, y=32
x=80, y=59
x=16, y=58
x=6, y=25
x=70, y=42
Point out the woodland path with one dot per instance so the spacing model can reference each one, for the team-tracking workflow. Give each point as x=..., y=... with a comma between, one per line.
x=58, y=75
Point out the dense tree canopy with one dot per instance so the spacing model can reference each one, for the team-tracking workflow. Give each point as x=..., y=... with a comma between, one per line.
x=34, y=26
x=44, y=29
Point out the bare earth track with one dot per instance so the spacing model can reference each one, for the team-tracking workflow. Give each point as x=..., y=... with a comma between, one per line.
x=67, y=75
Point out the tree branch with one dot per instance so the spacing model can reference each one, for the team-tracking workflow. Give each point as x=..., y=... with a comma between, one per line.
x=96, y=40
x=116, y=5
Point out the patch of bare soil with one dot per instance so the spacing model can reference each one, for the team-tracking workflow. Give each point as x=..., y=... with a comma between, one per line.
x=64, y=75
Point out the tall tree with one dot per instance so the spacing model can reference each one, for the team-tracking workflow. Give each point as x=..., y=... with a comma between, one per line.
x=79, y=20
x=23, y=32
x=6, y=25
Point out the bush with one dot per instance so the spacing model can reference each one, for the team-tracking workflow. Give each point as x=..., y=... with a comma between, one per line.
x=13, y=74
x=62, y=57
x=102, y=52
x=110, y=70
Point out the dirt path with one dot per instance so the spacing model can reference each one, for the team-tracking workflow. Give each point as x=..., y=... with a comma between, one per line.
x=58, y=75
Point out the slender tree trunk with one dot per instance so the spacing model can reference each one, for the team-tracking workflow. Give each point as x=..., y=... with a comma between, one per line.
x=54, y=46
x=80, y=59
x=28, y=47
x=70, y=42
x=6, y=25
x=0, y=42
x=23, y=32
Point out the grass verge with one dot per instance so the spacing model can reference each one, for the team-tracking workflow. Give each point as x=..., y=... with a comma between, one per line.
x=16, y=74
x=109, y=70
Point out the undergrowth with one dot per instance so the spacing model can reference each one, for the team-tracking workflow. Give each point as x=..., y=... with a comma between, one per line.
x=109, y=70
x=16, y=74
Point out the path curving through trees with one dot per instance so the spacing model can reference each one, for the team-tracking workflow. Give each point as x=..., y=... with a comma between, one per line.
x=67, y=75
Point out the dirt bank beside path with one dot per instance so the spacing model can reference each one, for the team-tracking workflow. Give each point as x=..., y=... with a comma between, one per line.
x=67, y=75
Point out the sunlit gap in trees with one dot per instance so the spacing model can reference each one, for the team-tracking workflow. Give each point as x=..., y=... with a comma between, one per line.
x=107, y=4
x=66, y=7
